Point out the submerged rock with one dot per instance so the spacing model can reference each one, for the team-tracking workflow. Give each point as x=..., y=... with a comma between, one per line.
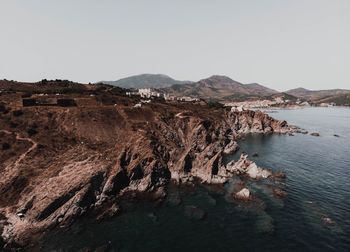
x=265, y=223
x=211, y=200
x=194, y=212
x=152, y=216
x=279, y=193
x=327, y=220
x=174, y=199
x=279, y=175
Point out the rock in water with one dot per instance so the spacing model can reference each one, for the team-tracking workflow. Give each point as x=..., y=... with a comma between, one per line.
x=256, y=172
x=315, y=134
x=327, y=220
x=279, y=193
x=194, y=212
x=174, y=199
x=245, y=166
x=243, y=194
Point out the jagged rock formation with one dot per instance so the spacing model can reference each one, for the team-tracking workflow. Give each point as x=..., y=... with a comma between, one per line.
x=245, y=166
x=78, y=161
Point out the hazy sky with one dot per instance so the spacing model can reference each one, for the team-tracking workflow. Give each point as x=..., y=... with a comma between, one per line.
x=278, y=43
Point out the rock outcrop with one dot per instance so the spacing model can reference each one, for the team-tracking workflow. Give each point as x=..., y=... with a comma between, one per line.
x=81, y=160
x=247, y=167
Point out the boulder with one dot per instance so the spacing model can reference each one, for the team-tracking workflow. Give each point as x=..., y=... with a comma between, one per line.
x=243, y=194
x=256, y=172
x=245, y=166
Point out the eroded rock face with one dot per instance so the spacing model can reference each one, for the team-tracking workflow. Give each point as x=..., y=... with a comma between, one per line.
x=231, y=147
x=82, y=160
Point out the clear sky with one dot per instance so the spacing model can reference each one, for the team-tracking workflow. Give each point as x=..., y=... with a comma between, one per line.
x=282, y=44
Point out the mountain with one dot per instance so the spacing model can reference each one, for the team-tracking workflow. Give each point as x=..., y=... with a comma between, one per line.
x=222, y=88
x=146, y=81
x=338, y=99
x=314, y=95
x=299, y=92
x=260, y=89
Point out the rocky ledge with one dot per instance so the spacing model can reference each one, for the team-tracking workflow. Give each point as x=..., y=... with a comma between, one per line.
x=58, y=164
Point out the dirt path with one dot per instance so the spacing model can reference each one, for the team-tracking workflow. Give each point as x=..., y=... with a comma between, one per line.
x=19, y=138
x=180, y=115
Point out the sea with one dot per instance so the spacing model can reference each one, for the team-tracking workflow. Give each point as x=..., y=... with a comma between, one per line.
x=314, y=215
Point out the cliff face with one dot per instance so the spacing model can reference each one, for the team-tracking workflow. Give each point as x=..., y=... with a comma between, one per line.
x=60, y=163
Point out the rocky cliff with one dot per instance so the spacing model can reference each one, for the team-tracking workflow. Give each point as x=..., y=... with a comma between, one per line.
x=59, y=163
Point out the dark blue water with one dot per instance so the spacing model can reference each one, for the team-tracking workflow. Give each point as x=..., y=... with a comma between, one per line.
x=314, y=216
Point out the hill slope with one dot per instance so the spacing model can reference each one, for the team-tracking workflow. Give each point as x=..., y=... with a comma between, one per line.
x=220, y=88
x=316, y=94
x=260, y=89
x=146, y=81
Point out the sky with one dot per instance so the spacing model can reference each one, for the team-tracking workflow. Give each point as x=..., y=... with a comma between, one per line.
x=281, y=44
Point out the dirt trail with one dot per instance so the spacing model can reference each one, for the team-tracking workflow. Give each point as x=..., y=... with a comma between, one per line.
x=19, y=138
x=180, y=115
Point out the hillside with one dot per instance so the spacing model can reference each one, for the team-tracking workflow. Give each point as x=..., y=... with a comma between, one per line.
x=146, y=81
x=339, y=100
x=283, y=96
x=299, y=92
x=314, y=95
x=220, y=88
x=260, y=89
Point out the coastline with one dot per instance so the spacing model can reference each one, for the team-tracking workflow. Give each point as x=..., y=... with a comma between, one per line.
x=207, y=142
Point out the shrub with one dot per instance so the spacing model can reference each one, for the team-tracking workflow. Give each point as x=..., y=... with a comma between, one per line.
x=32, y=131
x=6, y=146
x=17, y=113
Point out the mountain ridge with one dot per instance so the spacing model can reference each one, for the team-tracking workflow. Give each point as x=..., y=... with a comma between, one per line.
x=219, y=87
x=316, y=94
x=145, y=81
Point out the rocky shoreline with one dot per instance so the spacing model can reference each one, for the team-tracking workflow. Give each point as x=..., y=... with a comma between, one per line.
x=82, y=160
